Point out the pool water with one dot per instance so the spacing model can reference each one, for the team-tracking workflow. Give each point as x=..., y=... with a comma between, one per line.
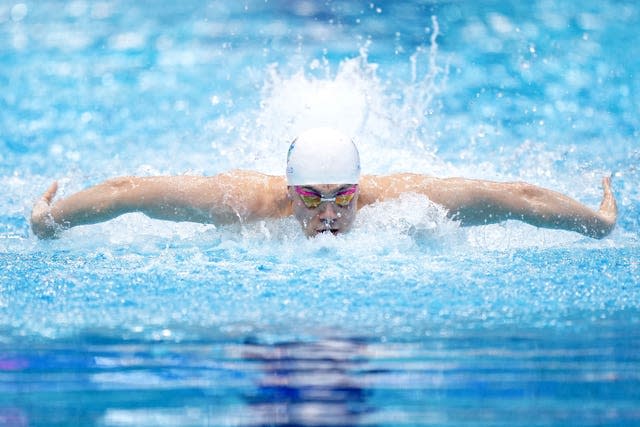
x=408, y=320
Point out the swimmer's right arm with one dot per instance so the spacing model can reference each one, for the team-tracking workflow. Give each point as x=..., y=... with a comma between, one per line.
x=236, y=196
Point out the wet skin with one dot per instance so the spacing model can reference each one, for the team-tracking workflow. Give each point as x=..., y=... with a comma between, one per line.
x=328, y=217
x=246, y=196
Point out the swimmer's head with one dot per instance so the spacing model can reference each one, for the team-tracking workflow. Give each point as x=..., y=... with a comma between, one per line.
x=322, y=156
x=323, y=170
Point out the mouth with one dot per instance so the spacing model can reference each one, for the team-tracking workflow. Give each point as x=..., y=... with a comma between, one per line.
x=333, y=231
x=328, y=226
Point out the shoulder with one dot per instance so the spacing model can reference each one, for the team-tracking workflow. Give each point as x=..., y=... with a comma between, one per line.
x=375, y=188
x=405, y=179
x=259, y=195
x=239, y=180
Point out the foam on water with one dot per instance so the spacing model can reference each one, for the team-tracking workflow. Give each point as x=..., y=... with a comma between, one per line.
x=386, y=124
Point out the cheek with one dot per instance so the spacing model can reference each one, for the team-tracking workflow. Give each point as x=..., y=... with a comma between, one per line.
x=349, y=216
x=302, y=214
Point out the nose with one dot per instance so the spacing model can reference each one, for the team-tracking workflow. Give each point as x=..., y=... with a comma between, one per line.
x=328, y=211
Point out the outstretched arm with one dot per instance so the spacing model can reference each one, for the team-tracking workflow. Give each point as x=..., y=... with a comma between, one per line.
x=478, y=202
x=482, y=202
x=221, y=199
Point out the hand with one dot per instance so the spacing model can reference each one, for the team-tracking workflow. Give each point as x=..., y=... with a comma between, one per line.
x=42, y=222
x=608, y=211
x=605, y=218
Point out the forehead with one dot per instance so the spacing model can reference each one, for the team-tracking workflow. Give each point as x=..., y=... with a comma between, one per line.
x=327, y=188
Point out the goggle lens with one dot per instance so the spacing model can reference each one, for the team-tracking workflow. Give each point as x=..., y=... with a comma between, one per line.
x=312, y=200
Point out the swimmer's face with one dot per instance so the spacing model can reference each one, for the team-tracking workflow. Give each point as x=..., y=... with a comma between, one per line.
x=328, y=216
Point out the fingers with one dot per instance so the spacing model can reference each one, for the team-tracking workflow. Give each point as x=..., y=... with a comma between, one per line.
x=42, y=222
x=608, y=197
x=608, y=207
x=606, y=184
x=50, y=193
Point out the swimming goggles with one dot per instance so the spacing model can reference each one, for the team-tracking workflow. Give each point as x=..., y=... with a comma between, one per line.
x=312, y=199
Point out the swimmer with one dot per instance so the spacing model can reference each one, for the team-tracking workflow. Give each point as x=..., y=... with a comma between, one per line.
x=323, y=190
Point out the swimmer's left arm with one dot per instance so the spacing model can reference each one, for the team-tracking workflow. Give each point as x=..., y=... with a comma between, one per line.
x=476, y=202
x=479, y=202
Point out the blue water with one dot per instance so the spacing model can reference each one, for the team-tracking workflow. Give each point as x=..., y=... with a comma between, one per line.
x=407, y=320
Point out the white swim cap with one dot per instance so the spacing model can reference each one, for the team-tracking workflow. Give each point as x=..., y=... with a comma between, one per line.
x=322, y=156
